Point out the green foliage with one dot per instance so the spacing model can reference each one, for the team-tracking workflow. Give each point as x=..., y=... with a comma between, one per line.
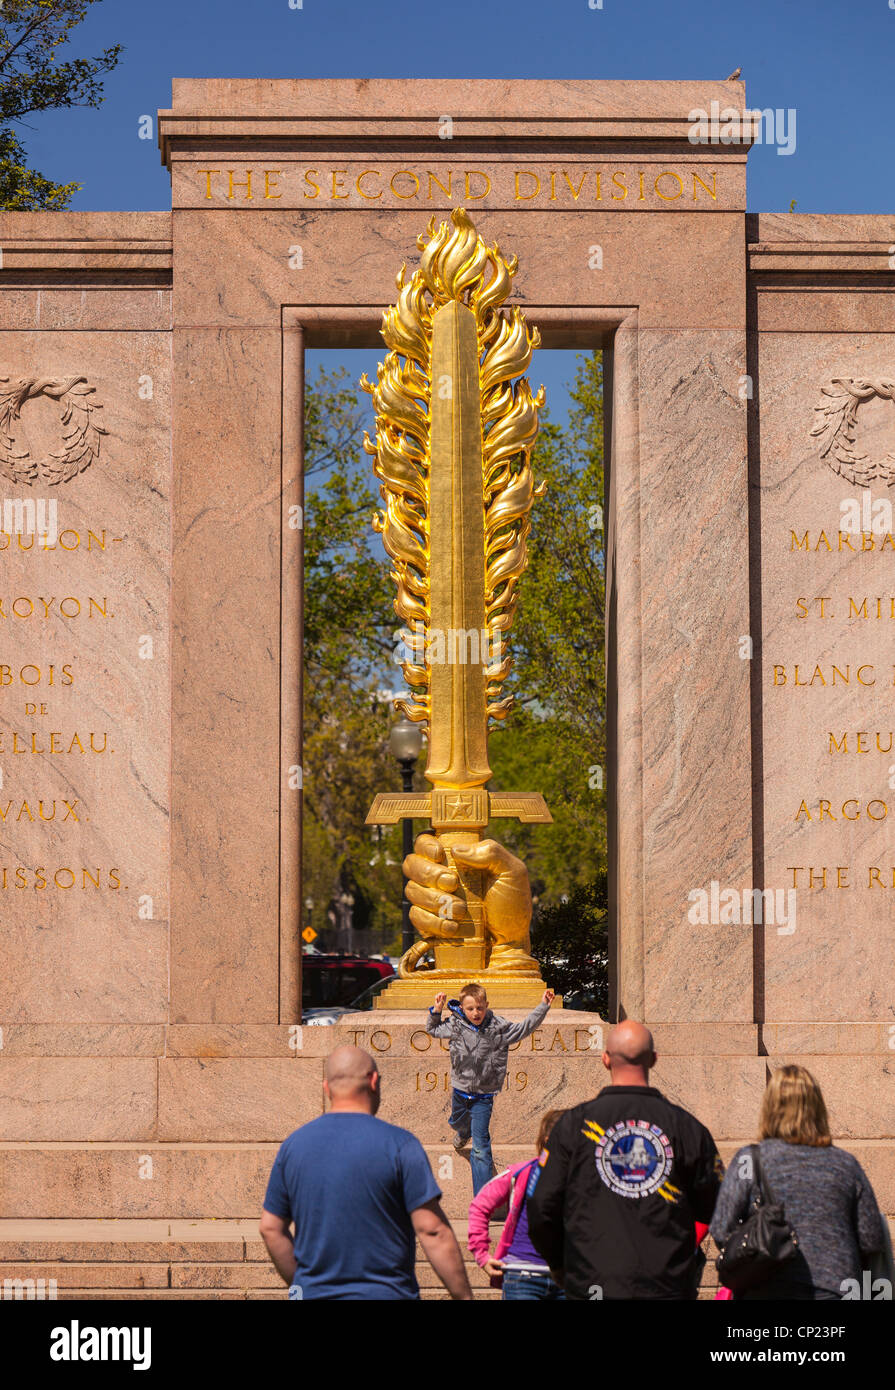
x=23, y=189
x=33, y=79
x=349, y=615
x=349, y=619
x=346, y=762
x=570, y=941
x=552, y=743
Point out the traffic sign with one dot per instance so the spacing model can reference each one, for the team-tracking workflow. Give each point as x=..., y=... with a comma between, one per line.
x=309, y=935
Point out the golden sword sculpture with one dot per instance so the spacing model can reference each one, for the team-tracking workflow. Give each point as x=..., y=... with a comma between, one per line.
x=454, y=432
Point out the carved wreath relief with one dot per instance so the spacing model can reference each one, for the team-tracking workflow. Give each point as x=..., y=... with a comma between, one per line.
x=80, y=433
x=835, y=428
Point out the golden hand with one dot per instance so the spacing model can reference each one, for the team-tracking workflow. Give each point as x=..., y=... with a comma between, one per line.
x=439, y=906
x=507, y=894
x=437, y=909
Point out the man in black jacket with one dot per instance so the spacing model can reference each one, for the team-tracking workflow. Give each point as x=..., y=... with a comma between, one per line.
x=627, y=1176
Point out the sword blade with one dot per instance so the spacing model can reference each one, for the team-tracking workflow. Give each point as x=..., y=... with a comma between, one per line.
x=458, y=722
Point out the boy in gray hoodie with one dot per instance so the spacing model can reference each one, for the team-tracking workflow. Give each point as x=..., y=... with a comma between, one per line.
x=480, y=1042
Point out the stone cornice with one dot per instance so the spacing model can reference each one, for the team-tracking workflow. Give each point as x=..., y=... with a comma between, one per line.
x=86, y=247
x=209, y=114
x=783, y=244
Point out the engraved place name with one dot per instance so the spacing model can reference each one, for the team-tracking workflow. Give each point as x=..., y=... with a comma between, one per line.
x=821, y=606
x=67, y=540
x=817, y=877
x=837, y=542
x=818, y=675
x=44, y=745
x=64, y=878
x=848, y=670
x=31, y=674
x=62, y=810
x=25, y=607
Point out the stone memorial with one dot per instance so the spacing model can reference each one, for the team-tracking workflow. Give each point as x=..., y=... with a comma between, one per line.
x=152, y=1053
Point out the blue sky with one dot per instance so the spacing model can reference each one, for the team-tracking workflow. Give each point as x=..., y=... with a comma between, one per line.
x=829, y=60
x=832, y=62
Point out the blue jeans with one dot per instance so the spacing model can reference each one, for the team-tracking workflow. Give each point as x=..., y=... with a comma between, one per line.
x=474, y=1117
x=533, y=1288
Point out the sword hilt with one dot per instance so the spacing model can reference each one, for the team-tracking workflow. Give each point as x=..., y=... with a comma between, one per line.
x=472, y=881
x=459, y=817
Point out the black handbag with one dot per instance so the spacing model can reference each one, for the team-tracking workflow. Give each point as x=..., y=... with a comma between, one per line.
x=762, y=1244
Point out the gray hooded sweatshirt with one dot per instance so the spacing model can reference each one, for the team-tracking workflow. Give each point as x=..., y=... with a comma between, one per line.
x=479, y=1054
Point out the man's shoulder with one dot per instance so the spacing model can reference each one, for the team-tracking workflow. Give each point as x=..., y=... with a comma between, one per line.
x=306, y=1134
x=572, y=1119
x=649, y=1102
x=393, y=1139
x=686, y=1121
x=396, y=1133
x=368, y=1129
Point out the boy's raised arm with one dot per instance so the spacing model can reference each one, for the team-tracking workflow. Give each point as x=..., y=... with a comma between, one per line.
x=434, y=1024
x=514, y=1032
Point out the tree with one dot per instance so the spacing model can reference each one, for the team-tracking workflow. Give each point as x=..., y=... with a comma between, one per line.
x=32, y=80
x=570, y=942
x=554, y=740
x=349, y=617
x=348, y=674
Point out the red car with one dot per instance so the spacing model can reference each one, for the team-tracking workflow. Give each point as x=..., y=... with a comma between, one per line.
x=336, y=981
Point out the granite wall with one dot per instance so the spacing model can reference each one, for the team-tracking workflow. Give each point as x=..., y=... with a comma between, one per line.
x=150, y=649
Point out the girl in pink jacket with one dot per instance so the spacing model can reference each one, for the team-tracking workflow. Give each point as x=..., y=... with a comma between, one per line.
x=515, y=1264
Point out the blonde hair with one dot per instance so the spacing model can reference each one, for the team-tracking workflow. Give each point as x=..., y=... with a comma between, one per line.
x=477, y=992
x=793, y=1109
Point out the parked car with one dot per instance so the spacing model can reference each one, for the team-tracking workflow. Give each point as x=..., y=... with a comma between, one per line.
x=365, y=1000
x=588, y=999
x=333, y=981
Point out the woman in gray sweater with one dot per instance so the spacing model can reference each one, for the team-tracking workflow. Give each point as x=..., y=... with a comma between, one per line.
x=824, y=1192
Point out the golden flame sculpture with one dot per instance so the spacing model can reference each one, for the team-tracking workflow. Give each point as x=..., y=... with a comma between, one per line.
x=455, y=425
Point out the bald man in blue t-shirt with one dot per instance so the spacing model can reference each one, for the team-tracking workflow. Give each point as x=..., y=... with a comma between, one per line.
x=358, y=1192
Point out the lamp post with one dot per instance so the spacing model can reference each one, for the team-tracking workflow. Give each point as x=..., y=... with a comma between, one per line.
x=405, y=743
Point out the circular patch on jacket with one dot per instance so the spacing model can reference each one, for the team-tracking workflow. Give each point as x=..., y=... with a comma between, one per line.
x=634, y=1158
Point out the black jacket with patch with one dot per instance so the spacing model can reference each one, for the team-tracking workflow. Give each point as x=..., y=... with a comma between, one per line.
x=626, y=1177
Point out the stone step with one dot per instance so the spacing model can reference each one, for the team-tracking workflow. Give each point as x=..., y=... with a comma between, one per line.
x=127, y=1242
x=226, y=1182
x=158, y=1259
x=126, y=1180
x=229, y=1095
x=195, y=1278
x=90, y=1274
x=121, y=1243
x=228, y=1295
x=167, y=1295
x=180, y=1181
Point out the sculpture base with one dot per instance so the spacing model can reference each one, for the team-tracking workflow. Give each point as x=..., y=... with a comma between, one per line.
x=504, y=992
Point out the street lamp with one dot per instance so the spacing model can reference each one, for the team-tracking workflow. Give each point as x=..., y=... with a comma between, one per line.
x=405, y=742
